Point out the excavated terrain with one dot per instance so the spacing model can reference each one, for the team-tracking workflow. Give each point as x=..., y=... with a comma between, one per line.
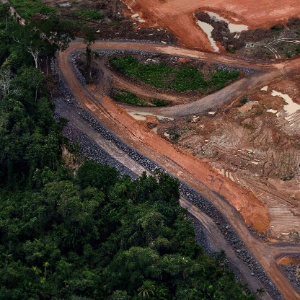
x=252, y=14
x=254, y=142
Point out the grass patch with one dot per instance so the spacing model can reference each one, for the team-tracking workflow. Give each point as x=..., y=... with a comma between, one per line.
x=159, y=102
x=124, y=96
x=178, y=78
x=88, y=14
x=129, y=98
x=28, y=8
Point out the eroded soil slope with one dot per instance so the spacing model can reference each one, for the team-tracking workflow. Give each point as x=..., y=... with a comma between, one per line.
x=253, y=14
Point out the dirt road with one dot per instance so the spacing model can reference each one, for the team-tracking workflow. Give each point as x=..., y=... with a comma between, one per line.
x=188, y=169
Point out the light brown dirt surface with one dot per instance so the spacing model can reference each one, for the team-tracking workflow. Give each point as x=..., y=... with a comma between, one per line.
x=177, y=15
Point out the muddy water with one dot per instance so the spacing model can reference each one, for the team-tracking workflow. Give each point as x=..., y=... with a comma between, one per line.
x=232, y=27
x=207, y=28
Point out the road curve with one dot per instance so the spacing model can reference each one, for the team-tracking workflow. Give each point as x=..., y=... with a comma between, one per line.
x=265, y=73
x=180, y=165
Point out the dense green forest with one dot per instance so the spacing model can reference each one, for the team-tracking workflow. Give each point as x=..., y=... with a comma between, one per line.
x=93, y=234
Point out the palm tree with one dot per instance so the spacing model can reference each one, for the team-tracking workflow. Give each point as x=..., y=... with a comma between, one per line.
x=147, y=289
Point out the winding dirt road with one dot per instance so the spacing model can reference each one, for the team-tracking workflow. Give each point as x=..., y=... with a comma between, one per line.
x=189, y=169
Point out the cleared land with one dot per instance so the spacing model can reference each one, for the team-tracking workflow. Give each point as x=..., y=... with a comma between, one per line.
x=255, y=14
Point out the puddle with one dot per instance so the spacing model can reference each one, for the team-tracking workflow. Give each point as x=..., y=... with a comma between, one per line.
x=290, y=107
x=265, y=88
x=207, y=28
x=142, y=116
x=232, y=27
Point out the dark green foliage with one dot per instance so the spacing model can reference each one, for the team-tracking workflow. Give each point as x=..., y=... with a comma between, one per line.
x=29, y=137
x=288, y=54
x=244, y=100
x=124, y=96
x=277, y=27
x=129, y=98
x=99, y=176
x=28, y=8
x=182, y=78
x=89, y=14
x=159, y=102
x=68, y=240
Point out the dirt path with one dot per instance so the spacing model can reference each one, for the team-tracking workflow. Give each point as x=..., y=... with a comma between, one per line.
x=190, y=170
x=262, y=14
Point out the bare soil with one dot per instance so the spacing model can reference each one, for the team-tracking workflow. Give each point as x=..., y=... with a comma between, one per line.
x=252, y=146
x=289, y=261
x=262, y=14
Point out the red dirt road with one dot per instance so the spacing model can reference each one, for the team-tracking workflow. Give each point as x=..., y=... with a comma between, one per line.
x=177, y=15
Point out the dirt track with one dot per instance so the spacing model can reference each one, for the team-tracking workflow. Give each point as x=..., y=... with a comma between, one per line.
x=181, y=165
x=177, y=15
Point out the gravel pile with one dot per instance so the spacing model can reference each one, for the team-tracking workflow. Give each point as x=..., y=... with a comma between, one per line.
x=291, y=274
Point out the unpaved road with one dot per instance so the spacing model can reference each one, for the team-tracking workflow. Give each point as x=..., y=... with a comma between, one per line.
x=181, y=165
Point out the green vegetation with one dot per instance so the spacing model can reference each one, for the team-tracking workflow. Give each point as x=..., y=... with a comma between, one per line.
x=95, y=234
x=244, y=100
x=277, y=27
x=28, y=8
x=159, y=102
x=129, y=98
x=178, y=78
x=288, y=54
x=132, y=99
x=99, y=236
x=230, y=50
x=88, y=14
